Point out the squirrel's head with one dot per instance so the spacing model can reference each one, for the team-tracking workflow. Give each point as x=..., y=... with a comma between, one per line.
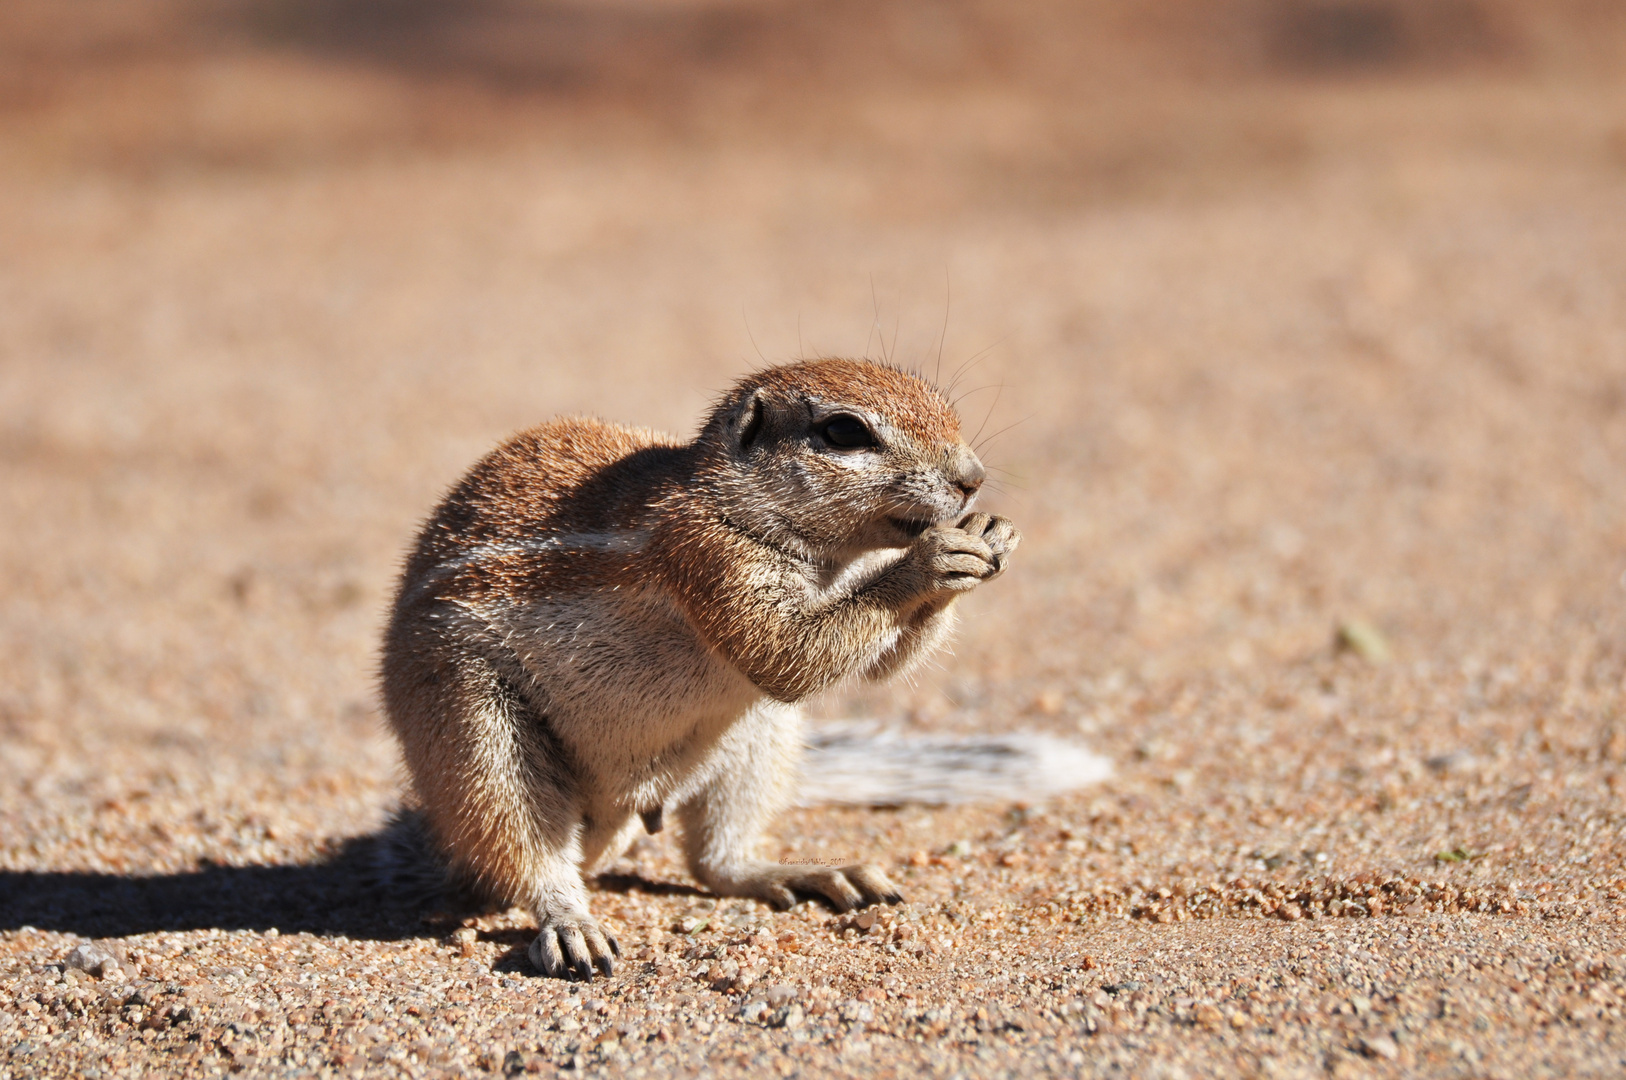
x=840, y=456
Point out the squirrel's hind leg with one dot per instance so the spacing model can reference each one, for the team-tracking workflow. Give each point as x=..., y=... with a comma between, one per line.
x=500, y=800
x=752, y=779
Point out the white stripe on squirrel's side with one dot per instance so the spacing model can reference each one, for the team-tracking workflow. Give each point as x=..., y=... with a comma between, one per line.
x=857, y=765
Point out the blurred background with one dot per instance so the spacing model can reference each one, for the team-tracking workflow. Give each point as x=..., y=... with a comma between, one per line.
x=1285, y=313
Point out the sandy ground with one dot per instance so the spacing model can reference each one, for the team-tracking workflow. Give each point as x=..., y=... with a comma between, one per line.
x=1287, y=317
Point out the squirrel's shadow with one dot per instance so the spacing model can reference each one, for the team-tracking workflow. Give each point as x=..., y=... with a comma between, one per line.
x=341, y=895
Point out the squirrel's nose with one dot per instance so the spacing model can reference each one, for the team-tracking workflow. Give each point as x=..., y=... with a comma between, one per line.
x=969, y=474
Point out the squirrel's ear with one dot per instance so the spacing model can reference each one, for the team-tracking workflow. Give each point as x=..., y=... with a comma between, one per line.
x=748, y=421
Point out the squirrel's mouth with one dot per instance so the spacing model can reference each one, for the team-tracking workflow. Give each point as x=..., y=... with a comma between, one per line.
x=910, y=527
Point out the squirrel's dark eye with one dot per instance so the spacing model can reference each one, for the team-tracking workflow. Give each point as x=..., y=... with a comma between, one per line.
x=847, y=433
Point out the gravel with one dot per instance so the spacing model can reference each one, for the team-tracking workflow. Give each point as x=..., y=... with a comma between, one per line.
x=1318, y=386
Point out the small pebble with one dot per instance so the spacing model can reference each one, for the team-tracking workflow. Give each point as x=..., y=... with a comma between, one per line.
x=1380, y=1046
x=94, y=960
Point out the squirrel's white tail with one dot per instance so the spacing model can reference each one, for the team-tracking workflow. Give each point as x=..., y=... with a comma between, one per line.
x=865, y=766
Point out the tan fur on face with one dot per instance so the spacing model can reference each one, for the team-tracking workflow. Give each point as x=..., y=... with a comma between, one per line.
x=599, y=621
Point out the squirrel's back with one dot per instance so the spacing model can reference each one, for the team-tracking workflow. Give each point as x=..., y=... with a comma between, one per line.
x=576, y=483
x=568, y=475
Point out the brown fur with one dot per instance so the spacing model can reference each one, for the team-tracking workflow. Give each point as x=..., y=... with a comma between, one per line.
x=598, y=622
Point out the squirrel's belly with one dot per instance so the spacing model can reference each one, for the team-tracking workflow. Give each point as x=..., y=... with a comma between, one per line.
x=624, y=680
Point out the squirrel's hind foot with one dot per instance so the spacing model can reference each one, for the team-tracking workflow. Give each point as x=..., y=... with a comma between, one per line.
x=844, y=887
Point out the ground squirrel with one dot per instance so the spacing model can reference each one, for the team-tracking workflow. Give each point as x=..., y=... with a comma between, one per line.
x=599, y=623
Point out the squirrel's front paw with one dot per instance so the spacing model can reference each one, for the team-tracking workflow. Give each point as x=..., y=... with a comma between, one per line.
x=573, y=945
x=971, y=551
x=846, y=887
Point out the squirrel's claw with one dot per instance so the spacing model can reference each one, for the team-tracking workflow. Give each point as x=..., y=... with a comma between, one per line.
x=577, y=958
x=573, y=949
x=875, y=886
